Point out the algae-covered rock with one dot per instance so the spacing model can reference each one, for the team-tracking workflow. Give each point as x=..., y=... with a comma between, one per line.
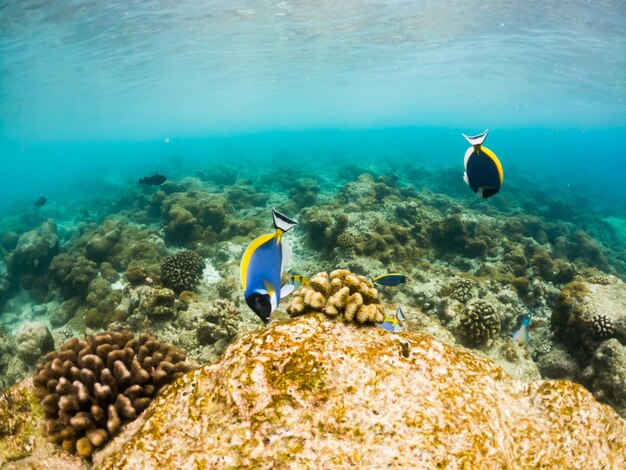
x=316, y=393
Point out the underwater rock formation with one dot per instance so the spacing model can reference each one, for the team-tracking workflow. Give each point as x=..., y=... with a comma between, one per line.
x=33, y=339
x=586, y=314
x=343, y=293
x=92, y=386
x=181, y=271
x=607, y=375
x=29, y=261
x=315, y=393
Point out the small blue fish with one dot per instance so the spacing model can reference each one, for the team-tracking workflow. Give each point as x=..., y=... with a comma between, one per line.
x=483, y=170
x=262, y=267
x=393, y=323
x=521, y=336
x=390, y=279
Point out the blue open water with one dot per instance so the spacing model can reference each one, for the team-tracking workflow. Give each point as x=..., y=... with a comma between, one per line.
x=92, y=91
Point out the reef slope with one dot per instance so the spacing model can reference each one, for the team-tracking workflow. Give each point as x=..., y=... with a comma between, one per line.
x=317, y=393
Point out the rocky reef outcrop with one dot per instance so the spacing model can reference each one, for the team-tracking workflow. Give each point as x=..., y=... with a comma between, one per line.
x=315, y=392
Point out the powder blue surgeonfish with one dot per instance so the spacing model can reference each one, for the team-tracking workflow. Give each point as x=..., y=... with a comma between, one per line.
x=483, y=171
x=262, y=267
x=393, y=323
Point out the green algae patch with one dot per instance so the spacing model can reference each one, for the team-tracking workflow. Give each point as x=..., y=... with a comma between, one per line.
x=301, y=371
x=20, y=414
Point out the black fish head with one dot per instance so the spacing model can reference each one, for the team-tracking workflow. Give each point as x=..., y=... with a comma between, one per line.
x=261, y=305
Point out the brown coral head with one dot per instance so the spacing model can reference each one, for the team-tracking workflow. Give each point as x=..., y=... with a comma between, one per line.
x=92, y=386
x=340, y=294
x=480, y=322
x=182, y=271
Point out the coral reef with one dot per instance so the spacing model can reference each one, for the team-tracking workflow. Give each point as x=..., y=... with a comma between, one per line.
x=349, y=296
x=160, y=302
x=28, y=263
x=90, y=387
x=587, y=313
x=181, y=271
x=335, y=388
x=33, y=339
x=220, y=324
x=479, y=323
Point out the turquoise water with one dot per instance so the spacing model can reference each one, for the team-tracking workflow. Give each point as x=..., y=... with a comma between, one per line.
x=93, y=90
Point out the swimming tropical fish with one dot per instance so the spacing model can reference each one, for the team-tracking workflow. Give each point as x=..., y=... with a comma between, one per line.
x=298, y=280
x=483, y=171
x=41, y=201
x=521, y=335
x=153, y=180
x=262, y=267
x=390, y=279
x=394, y=323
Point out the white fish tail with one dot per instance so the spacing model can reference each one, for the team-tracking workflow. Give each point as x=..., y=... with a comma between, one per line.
x=476, y=139
x=282, y=222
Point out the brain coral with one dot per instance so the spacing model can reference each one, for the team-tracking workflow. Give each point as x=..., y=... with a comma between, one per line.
x=91, y=386
x=181, y=271
x=342, y=293
x=480, y=322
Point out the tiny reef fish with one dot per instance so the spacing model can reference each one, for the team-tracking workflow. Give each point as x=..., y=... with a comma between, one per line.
x=483, y=171
x=262, y=267
x=521, y=336
x=153, y=180
x=393, y=323
x=41, y=201
x=298, y=280
x=390, y=279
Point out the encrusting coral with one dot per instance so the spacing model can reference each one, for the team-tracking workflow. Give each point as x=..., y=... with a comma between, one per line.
x=181, y=271
x=351, y=296
x=480, y=322
x=90, y=387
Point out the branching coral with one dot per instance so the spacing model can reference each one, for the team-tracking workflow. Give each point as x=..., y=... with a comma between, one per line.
x=343, y=293
x=181, y=271
x=602, y=327
x=463, y=290
x=480, y=322
x=90, y=387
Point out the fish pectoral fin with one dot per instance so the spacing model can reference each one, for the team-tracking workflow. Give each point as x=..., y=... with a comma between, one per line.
x=286, y=290
x=286, y=255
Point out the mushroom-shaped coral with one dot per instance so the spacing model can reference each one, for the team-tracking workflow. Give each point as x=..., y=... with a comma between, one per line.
x=90, y=387
x=181, y=271
x=480, y=322
x=343, y=293
x=602, y=327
